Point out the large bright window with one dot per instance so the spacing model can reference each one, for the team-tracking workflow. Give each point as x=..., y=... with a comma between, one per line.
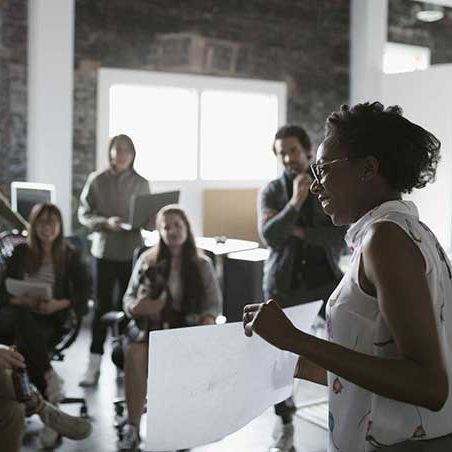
x=236, y=135
x=162, y=122
x=190, y=128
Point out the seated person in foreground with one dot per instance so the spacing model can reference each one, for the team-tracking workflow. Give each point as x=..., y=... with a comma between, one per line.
x=12, y=412
x=172, y=285
x=33, y=324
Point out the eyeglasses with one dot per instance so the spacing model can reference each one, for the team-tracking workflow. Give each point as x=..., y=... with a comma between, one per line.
x=317, y=168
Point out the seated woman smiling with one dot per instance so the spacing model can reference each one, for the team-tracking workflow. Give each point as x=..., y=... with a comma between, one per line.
x=172, y=285
x=34, y=324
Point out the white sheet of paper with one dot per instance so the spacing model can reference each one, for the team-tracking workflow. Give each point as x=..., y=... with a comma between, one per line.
x=18, y=287
x=207, y=382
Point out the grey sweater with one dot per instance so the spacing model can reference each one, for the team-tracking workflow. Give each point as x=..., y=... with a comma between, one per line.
x=108, y=194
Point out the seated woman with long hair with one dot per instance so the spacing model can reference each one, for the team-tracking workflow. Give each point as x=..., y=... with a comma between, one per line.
x=172, y=285
x=34, y=324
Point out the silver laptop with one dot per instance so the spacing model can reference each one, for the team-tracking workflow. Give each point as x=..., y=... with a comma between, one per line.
x=144, y=208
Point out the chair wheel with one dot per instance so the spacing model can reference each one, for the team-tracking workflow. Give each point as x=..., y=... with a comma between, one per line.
x=119, y=426
x=84, y=411
x=119, y=410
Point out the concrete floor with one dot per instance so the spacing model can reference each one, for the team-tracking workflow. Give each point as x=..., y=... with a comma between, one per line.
x=255, y=437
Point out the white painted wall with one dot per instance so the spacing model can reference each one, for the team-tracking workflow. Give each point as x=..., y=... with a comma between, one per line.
x=426, y=98
x=368, y=35
x=50, y=98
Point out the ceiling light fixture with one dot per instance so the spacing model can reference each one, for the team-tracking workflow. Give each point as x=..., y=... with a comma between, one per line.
x=429, y=13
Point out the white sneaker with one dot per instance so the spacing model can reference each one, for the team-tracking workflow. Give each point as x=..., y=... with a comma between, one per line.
x=49, y=438
x=64, y=424
x=92, y=373
x=284, y=441
x=55, y=387
x=130, y=440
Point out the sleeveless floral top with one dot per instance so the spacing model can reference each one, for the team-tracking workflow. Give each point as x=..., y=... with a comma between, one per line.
x=359, y=420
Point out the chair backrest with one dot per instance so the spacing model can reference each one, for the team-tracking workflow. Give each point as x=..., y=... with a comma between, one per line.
x=8, y=240
x=114, y=318
x=70, y=329
x=67, y=335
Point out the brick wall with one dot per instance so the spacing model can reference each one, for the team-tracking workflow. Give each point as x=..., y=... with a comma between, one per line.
x=13, y=96
x=304, y=43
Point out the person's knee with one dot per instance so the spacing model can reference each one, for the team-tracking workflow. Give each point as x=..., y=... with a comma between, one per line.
x=12, y=418
x=7, y=391
x=12, y=412
x=25, y=321
x=22, y=312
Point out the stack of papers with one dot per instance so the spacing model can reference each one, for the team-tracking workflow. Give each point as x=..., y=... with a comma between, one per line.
x=18, y=287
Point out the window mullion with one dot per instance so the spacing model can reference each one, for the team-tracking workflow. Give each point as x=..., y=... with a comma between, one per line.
x=198, y=155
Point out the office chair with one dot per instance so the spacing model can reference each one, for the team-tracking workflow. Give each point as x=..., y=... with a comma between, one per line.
x=114, y=320
x=66, y=337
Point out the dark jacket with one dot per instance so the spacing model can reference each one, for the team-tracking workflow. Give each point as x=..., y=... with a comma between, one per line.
x=276, y=233
x=73, y=284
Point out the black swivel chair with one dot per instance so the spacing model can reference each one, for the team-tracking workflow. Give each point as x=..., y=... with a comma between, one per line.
x=114, y=320
x=67, y=337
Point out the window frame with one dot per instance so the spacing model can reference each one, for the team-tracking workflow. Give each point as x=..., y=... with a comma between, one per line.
x=107, y=77
x=396, y=48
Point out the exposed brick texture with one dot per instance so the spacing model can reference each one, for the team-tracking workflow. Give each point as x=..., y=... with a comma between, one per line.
x=305, y=43
x=302, y=42
x=13, y=95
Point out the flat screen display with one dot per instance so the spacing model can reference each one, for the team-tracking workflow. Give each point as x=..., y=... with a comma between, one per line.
x=25, y=195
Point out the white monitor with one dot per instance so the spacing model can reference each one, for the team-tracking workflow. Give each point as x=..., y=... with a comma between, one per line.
x=24, y=195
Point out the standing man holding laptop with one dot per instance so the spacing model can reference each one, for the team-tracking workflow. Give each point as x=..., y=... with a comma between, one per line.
x=304, y=245
x=104, y=206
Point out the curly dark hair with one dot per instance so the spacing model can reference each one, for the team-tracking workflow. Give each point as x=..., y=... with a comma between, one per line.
x=293, y=131
x=408, y=154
